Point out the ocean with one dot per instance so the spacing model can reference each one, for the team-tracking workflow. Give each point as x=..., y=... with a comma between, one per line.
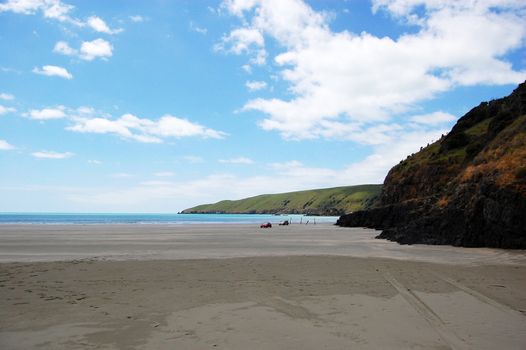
x=100, y=218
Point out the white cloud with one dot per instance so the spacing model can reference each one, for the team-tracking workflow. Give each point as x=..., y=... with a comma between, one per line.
x=98, y=24
x=434, y=118
x=170, y=126
x=120, y=127
x=53, y=71
x=94, y=162
x=26, y=7
x=6, y=97
x=137, y=18
x=5, y=110
x=87, y=120
x=89, y=50
x=5, y=146
x=237, y=160
x=241, y=40
x=98, y=48
x=197, y=29
x=286, y=165
x=193, y=159
x=164, y=174
x=352, y=81
x=63, y=48
x=255, y=85
x=245, y=40
x=52, y=155
x=47, y=113
x=156, y=183
x=121, y=175
x=144, y=130
x=54, y=9
x=57, y=10
x=247, y=68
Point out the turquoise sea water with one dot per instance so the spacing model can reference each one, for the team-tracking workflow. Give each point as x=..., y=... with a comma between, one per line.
x=75, y=218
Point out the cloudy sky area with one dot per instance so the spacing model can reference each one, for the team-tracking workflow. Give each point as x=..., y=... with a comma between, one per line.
x=156, y=106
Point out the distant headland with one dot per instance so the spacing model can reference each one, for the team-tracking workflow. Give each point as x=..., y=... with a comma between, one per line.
x=329, y=201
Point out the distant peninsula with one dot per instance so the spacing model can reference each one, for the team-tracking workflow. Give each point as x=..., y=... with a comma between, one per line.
x=467, y=189
x=328, y=201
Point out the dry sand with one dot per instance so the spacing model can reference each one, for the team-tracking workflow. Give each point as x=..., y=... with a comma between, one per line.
x=301, y=298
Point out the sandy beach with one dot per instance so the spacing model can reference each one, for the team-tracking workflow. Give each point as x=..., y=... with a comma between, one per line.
x=239, y=287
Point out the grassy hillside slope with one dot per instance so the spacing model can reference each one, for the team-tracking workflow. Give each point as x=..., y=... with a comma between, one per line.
x=467, y=189
x=328, y=201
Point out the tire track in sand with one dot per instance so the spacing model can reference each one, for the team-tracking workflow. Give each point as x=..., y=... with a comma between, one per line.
x=448, y=336
x=477, y=295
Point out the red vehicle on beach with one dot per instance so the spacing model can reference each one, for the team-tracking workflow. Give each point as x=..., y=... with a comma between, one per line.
x=266, y=225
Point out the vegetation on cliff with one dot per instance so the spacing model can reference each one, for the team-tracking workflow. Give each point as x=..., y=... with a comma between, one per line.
x=467, y=189
x=329, y=201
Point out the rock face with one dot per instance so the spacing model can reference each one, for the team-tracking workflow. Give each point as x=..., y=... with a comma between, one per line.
x=467, y=189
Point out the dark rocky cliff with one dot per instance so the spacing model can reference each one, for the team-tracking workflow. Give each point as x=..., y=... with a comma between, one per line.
x=467, y=189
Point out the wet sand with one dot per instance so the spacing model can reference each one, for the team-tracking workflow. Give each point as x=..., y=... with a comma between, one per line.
x=32, y=243
x=107, y=291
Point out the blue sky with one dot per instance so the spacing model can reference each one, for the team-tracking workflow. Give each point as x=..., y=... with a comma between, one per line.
x=156, y=106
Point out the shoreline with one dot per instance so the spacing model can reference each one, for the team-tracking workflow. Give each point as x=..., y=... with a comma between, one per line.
x=156, y=219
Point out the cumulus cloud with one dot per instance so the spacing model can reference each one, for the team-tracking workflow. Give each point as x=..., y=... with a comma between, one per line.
x=5, y=110
x=237, y=160
x=193, y=159
x=6, y=97
x=137, y=18
x=89, y=50
x=247, y=68
x=55, y=71
x=164, y=174
x=121, y=175
x=52, y=155
x=47, y=113
x=53, y=9
x=98, y=24
x=434, y=118
x=351, y=80
x=144, y=130
x=255, y=85
x=5, y=146
x=245, y=40
x=88, y=120
x=98, y=48
x=57, y=10
x=63, y=48
x=198, y=29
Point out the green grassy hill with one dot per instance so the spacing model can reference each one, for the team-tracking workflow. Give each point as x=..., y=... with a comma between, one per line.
x=328, y=201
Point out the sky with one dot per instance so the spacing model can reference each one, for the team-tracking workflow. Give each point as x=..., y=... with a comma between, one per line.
x=160, y=105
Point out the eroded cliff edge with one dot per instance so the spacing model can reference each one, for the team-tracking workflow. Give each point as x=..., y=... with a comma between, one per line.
x=467, y=189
